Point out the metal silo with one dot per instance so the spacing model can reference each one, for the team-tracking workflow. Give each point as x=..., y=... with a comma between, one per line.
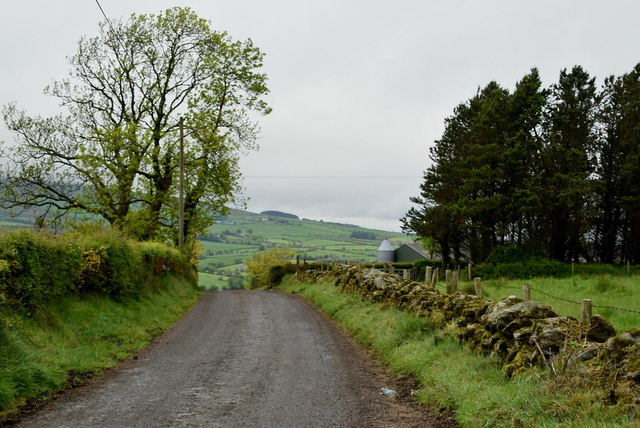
x=386, y=253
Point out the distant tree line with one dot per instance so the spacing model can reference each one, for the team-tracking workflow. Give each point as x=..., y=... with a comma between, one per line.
x=554, y=172
x=360, y=234
x=280, y=214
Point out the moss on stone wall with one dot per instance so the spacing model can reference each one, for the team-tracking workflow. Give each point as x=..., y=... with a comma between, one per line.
x=522, y=334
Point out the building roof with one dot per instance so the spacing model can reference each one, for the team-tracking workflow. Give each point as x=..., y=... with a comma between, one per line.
x=416, y=248
x=386, y=246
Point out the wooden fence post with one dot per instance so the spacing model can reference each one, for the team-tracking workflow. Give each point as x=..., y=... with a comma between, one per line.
x=478, y=286
x=406, y=274
x=586, y=311
x=447, y=280
x=436, y=277
x=526, y=292
x=454, y=281
x=427, y=276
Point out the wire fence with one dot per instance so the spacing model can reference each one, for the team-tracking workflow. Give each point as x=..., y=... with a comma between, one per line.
x=586, y=304
x=563, y=299
x=413, y=276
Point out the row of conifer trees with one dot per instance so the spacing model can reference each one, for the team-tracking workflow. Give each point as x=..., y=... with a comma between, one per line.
x=553, y=170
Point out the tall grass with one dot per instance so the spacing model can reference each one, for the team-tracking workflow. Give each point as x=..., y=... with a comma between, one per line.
x=73, y=337
x=473, y=386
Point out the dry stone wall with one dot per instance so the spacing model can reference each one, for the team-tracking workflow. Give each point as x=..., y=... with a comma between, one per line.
x=522, y=334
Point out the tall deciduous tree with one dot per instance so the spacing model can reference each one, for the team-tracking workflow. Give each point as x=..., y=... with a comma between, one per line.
x=115, y=152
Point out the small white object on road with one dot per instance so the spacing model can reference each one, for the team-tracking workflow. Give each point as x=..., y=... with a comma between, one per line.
x=385, y=391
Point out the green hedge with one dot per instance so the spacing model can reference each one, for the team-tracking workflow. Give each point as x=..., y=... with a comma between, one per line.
x=549, y=268
x=523, y=270
x=277, y=273
x=36, y=267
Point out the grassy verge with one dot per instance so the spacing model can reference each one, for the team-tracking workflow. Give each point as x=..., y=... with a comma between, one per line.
x=473, y=386
x=74, y=337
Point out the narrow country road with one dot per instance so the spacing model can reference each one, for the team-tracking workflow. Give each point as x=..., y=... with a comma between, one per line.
x=240, y=359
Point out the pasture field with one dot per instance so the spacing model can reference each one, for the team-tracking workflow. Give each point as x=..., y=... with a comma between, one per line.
x=211, y=281
x=235, y=238
x=617, y=298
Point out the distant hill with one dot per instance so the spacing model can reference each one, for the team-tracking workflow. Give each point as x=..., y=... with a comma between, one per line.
x=237, y=236
x=234, y=238
x=280, y=214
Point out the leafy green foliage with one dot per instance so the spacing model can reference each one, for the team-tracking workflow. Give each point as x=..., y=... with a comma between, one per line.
x=512, y=253
x=538, y=267
x=131, y=92
x=261, y=267
x=44, y=278
x=38, y=267
x=278, y=272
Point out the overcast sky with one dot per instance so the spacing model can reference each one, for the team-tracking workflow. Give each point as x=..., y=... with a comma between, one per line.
x=359, y=89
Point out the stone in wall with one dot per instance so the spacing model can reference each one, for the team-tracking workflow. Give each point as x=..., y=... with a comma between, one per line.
x=523, y=334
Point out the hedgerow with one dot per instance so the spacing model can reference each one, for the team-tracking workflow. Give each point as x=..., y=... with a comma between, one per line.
x=36, y=267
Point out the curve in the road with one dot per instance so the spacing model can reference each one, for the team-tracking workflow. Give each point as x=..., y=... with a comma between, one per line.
x=239, y=359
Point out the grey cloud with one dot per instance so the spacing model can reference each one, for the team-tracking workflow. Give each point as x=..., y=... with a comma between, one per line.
x=359, y=88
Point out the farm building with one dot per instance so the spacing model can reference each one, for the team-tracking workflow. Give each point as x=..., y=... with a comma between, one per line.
x=404, y=253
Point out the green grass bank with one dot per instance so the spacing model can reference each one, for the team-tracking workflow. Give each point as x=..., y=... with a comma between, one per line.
x=75, y=304
x=473, y=386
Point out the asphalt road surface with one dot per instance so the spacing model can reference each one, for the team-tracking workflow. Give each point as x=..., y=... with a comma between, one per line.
x=242, y=359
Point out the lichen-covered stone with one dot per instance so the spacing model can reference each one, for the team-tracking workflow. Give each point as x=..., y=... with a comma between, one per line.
x=627, y=338
x=523, y=334
x=513, y=313
x=380, y=283
x=588, y=352
x=520, y=359
x=601, y=329
x=550, y=334
x=473, y=309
